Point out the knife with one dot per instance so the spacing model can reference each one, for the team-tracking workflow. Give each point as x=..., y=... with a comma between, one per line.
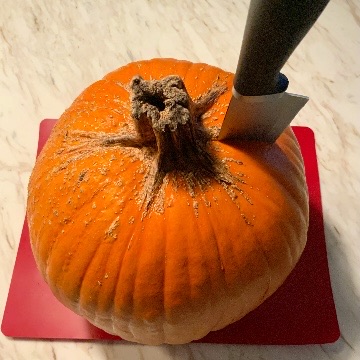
x=260, y=108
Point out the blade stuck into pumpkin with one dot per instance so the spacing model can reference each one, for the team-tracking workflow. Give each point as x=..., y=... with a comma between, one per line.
x=260, y=108
x=144, y=223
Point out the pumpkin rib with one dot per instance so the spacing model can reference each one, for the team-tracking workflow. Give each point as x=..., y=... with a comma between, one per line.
x=112, y=310
x=163, y=334
x=217, y=247
x=269, y=269
x=231, y=315
x=99, y=256
x=183, y=269
x=266, y=271
x=290, y=147
x=176, y=275
x=284, y=232
x=115, y=245
x=110, y=294
x=116, y=315
x=191, y=270
x=93, y=198
x=87, y=275
x=154, y=318
x=31, y=218
x=75, y=221
x=284, y=188
x=303, y=220
x=129, y=325
x=202, y=266
x=62, y=274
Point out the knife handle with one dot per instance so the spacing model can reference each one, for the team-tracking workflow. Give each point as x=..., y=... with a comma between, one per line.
x=273, y=30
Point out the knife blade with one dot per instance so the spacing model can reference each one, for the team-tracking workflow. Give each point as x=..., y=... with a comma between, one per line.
x=260, y=108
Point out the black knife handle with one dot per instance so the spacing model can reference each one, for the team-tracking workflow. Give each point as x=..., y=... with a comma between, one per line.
x=273, y=30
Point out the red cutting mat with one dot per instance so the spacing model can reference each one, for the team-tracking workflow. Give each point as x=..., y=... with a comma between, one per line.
x=302, y=311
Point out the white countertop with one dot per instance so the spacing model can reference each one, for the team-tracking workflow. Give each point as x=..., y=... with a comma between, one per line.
x=50, y=51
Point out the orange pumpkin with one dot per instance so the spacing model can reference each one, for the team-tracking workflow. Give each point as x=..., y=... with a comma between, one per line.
x=145, y=224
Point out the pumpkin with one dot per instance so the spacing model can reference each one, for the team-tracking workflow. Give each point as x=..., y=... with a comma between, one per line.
x=145, y=224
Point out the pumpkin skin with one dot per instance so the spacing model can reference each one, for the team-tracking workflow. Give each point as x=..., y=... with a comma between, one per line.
x=203, y=259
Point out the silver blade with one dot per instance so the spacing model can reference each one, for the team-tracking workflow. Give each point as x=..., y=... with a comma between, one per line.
x=261, y=118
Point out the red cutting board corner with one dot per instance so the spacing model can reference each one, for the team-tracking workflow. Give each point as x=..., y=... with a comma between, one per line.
x=302, y=311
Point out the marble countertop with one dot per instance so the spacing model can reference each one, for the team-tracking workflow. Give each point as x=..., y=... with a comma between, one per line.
x=52, y=50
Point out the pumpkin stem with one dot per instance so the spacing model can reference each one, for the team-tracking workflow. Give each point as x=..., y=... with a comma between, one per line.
x=169, y=121
x=167, y=117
